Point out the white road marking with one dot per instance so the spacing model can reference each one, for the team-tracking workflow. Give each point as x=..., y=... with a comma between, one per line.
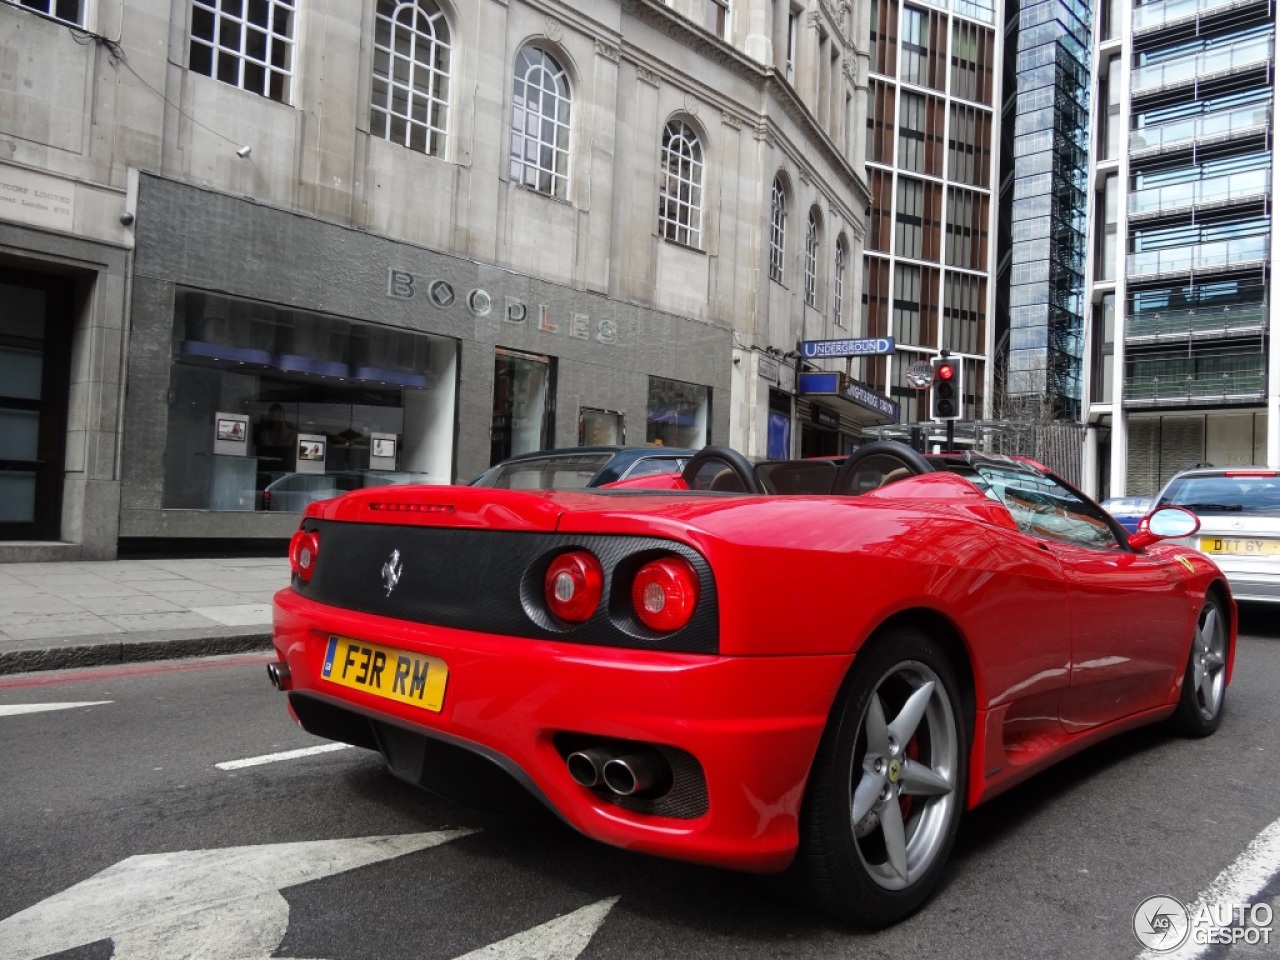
x=212, y=904
x=287, y=755
x=17, y=709
x=563, y=938
x=1240, y=883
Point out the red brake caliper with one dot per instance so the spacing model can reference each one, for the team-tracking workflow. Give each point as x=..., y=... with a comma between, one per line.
x=911, y=753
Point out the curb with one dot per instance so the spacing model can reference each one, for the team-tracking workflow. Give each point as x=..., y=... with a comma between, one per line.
x=100, y=653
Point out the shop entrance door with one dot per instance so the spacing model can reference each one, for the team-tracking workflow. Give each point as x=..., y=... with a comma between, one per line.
x=35, y=335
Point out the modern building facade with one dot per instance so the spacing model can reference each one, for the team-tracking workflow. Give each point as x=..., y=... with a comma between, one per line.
x=264, y=252
x=1043, y=204
x=1183, y=357
x=931, y=155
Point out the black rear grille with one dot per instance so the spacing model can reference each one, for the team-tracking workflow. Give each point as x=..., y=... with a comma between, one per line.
x=490, y=581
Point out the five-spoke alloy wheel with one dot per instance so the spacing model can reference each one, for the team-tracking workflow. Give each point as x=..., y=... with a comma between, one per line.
x=888, y=785
x=1204, y=687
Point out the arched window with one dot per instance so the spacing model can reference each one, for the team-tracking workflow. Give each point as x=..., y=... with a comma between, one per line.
x=777, y=230
x=540, y=123
x=411, y=56
x=811, y=259
x=837, y=280
x=680, y=195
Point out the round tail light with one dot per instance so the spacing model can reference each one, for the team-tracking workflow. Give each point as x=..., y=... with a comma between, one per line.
x=665, y=593
x=304, y=550
x=574, y=585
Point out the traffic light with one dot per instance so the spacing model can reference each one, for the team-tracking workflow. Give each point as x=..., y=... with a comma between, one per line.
x=946, y=399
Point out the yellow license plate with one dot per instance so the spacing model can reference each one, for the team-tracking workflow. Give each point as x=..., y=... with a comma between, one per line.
x=1240, y=546
x=412, y=678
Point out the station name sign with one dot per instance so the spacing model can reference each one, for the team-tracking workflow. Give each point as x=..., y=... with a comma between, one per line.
x=871, y=346
x=833, y=383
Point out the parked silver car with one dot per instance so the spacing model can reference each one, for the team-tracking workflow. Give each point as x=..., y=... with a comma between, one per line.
x=1239, y=511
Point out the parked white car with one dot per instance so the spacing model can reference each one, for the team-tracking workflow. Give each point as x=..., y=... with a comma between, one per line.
x=1239, y=511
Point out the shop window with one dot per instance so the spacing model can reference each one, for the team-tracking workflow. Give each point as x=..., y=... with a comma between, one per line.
x=523, y=395
x=271, y=408
x=678, y=414
x=248, y=45
x=411, y=58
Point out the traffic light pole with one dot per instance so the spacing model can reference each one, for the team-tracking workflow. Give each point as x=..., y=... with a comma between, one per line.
x=951, y=435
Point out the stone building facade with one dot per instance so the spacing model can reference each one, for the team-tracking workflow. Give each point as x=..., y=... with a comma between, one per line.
x=270, y=251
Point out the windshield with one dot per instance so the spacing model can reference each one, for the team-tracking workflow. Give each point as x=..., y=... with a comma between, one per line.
x=569, y=472
x=1243, y=493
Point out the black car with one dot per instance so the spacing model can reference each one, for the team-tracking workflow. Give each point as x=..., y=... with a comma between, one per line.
x=576, y=468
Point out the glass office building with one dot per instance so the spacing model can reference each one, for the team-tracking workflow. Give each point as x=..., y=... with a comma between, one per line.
x=1043, y=201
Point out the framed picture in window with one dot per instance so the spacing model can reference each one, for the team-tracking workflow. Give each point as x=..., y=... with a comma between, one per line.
x=231, y=430
x=382, y=451
x=230, y=434
x=311, y=450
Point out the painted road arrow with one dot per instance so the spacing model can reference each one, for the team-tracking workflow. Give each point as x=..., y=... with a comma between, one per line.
x=211, y=904
x=563, y=938
x=16, y=709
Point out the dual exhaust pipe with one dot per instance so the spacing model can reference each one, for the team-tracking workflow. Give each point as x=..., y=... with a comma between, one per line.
x=278, y=674
x=624, y=774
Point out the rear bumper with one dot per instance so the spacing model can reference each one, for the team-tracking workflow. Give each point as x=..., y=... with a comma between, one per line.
x=1252, y=581
x=752, y=724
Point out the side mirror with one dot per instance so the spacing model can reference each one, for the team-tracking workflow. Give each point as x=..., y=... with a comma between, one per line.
x=1163, y=524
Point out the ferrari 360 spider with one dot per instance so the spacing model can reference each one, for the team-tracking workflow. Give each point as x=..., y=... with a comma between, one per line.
x=809, y=666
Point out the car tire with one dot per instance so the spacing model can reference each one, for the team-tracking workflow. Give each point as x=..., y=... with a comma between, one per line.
x=888, y=784
x=1204, y=685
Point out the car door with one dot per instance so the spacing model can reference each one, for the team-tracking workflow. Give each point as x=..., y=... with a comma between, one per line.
x=1128, y=619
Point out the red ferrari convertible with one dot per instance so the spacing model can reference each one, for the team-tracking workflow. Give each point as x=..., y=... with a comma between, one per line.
x=806, y=666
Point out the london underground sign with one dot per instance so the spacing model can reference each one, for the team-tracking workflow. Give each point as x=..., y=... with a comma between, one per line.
x=867, y=347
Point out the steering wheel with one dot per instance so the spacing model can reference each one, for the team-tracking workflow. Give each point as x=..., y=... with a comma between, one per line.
x=721, y=468
x=876, y=464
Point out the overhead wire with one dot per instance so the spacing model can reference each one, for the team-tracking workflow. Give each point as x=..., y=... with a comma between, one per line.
x=116, y=57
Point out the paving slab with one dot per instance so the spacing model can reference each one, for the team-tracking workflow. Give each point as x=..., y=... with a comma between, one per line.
x=84, y=613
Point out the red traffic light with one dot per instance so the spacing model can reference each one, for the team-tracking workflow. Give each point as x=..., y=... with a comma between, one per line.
x=945, y=371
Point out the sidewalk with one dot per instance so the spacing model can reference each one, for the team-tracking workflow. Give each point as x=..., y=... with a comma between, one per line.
x=84, y=613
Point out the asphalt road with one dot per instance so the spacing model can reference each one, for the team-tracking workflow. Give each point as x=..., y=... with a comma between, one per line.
x=106, y=809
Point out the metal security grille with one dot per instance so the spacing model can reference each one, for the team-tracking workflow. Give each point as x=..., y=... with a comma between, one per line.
x=540, y=123
x=246, y=43
x=411, y=59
